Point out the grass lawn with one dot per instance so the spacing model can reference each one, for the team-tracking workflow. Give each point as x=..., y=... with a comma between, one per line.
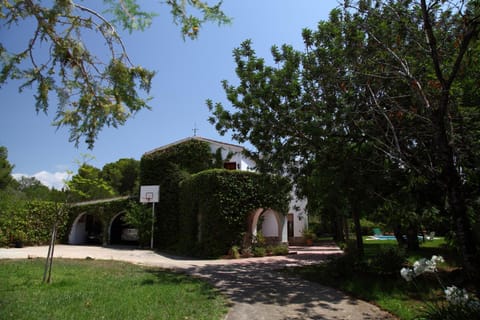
x=91, y=289
x=389, y=291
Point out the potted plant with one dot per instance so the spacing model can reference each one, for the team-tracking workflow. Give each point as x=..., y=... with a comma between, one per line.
x=309, y=236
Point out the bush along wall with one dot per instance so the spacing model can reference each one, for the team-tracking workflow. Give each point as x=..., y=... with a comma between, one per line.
x=215, y=205
x=31, y=222
x=167, y=168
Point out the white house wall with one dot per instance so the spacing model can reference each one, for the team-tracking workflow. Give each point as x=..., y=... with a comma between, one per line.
x=238, y=157
x=300, y=217
x=270, y=225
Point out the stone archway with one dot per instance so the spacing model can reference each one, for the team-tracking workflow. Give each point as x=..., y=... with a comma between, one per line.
x=272, y=225
x=87, y=228
x=120, y=232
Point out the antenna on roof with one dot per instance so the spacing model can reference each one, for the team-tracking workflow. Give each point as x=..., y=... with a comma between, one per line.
x=195, y=129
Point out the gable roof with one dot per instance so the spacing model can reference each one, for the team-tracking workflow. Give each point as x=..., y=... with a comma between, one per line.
x=229, y=146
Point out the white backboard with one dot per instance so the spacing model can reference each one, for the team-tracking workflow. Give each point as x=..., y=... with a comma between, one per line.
x=149, y=194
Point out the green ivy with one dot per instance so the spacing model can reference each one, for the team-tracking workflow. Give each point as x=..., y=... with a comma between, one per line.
x=215, y=205
x=167, y=168
x=105, y=211
x=31, y=222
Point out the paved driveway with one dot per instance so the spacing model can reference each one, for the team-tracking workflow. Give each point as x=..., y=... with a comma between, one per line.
x=254, y=286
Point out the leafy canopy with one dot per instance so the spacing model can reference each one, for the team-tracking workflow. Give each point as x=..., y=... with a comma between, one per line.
x=95, y=85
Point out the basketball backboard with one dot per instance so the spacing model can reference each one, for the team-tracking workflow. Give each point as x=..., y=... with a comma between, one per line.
x=149, y=194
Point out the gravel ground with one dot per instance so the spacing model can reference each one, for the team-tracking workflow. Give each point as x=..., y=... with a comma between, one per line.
x=254, y=286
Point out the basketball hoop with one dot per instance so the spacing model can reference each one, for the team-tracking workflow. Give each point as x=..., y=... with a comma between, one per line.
x=148, y=197
x=149, y=194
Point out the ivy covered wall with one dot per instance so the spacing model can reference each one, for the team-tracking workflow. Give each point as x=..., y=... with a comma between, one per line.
x=215, y=206
x=167, y=168
x=202, y=210
x=103, y=210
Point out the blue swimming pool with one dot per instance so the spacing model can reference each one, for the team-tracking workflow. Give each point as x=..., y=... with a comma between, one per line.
x=383, y=237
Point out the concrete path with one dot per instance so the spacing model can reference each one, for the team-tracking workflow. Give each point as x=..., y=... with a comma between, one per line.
x=255, y=287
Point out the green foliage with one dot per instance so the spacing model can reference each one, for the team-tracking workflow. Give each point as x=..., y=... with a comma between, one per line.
x=235, y=252
x=5, y=168
x=103, y=210
x=31, y=221
x=200, y=12
x=278, y=250
x=388, y=260
x=450, y=311
x=123, y=176
x=88, y=184
x=140, y=217
x=259, y=251
x=95, y=86
x=215, y=205
x=384, y=107
x=167, y=168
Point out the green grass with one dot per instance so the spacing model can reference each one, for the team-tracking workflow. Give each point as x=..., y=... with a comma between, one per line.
x=389, y=291
x=87, y=289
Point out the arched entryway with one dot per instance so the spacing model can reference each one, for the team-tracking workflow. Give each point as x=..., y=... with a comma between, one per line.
x=270, y=223
x=121, y=232
x=86, y=229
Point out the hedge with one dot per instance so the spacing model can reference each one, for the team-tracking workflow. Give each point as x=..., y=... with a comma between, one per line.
x=215, y=205
x=31, y=222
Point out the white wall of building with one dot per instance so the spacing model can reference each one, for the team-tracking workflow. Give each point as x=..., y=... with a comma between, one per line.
x=270, y=225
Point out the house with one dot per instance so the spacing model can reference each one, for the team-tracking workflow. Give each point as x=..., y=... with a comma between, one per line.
x=277, y=227
x=101, y=221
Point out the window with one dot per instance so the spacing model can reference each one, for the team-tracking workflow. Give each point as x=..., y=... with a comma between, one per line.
x=230, y=165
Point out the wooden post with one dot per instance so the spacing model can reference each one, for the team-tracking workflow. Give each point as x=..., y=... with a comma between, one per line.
x=49, y=261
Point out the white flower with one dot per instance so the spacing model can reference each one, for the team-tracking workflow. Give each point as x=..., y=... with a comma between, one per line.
x=420, y=266
x=407, y=274
x=456, y=295
x=437, y=259
x=425, y=265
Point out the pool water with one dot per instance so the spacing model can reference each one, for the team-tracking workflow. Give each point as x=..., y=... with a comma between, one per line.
x=383, y=237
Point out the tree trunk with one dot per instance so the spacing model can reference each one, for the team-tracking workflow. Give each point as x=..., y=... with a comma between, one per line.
x=398, y=232
x=412, y=238
x=464, y=233
x=452, y=182
x=358, y=230
x=338, y=222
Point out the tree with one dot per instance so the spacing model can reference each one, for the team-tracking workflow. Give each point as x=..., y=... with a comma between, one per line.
x=5, y=168
x=394, y=77
x=414, y=87
x=30, y=188
x=87, y=184
x=92, y=92
x=123, y=176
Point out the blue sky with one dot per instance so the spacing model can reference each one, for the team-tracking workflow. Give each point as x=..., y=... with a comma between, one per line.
x=188, y=73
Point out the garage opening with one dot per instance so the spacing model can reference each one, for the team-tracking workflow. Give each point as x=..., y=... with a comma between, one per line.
x=86, y=229
x=122, y=233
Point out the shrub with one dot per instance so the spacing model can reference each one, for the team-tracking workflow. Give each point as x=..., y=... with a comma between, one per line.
x=259, y=240
x=278, y=250
x=235, y=252
x=449, y=311
x=388, y=260
x=345, y=265
x=3, y=239
x=259, y=251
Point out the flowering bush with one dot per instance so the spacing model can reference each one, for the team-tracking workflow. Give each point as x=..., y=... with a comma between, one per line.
x=459, y=304
x=421, y=266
